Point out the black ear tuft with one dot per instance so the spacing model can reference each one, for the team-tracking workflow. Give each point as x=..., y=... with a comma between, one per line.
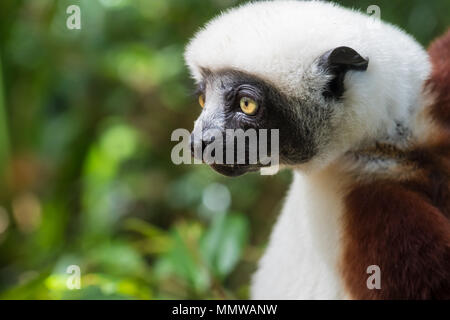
x=338, y=62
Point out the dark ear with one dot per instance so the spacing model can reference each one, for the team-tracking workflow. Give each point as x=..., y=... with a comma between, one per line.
x=338, y=62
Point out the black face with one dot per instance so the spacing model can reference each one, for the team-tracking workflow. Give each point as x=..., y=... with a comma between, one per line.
x=298, y=122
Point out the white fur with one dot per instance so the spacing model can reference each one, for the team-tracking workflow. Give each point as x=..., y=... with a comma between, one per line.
x=301, y=261
x=280, y=41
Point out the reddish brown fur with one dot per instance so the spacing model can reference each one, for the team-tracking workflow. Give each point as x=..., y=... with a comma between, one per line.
x=440, y=79
x=404, y=226
x=398, y=228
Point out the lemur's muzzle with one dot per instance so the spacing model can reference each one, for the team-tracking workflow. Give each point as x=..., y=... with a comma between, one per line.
x=204, y=150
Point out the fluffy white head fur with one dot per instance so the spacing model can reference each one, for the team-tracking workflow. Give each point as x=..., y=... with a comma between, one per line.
x=279, y=41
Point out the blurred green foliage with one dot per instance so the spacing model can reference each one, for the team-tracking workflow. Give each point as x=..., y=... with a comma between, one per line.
x=86, y=176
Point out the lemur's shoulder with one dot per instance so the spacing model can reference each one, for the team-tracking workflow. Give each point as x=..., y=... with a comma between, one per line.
x=399, y=219
x=398, y=228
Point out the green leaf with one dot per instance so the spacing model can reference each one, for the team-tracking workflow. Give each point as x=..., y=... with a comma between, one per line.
x=186, y=258
x=222, y=246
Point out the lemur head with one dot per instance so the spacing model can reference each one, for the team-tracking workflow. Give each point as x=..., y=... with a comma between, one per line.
x=330, y=79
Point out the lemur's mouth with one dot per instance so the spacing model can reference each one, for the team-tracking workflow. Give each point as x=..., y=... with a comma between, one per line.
x=233, y=170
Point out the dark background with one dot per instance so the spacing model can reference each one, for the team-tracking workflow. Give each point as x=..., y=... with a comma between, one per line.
x=85, y=171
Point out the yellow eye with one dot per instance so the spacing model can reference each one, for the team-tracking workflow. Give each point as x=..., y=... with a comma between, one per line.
x=201, y=100
x=248, y=106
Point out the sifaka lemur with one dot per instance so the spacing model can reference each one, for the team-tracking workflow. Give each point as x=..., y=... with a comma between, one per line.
x=363, y=113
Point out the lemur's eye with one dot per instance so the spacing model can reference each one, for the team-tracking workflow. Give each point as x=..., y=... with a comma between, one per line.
x=248, y=106
x=201, y=100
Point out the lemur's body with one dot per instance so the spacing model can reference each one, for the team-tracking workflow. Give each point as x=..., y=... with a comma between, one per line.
x=366, y=131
